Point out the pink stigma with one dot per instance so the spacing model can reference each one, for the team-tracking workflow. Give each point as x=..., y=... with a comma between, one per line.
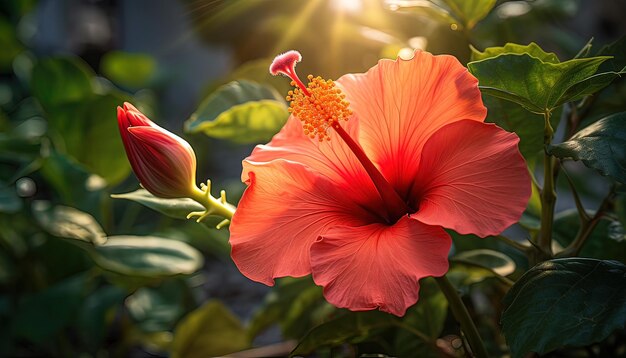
x=286, y=64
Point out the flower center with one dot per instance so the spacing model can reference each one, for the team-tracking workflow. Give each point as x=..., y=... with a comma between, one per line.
x=320, y=105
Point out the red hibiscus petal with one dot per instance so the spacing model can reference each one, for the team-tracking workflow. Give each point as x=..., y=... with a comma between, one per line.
x=282, y=212
x=472, y=179
x=378, y=266
x=331, y=159
x=401, y=103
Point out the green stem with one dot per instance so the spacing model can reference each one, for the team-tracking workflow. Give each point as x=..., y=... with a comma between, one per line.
x=513, y=243
x=582, y=214
x=548, y=193
x=586, y=228
x=462, y=316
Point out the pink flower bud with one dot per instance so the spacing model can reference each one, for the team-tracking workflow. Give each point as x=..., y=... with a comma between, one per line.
x=164, y=163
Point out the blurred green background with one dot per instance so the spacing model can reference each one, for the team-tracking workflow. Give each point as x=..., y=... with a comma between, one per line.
x=82, y=274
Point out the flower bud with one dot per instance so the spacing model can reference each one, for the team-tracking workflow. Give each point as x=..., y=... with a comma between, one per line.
x=164, y=163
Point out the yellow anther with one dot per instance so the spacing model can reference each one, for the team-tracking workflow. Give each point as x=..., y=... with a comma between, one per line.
x=324, y=106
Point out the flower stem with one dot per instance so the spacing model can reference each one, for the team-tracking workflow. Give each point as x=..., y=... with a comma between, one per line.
x=213, y=206
x=462, y=316
x=548, y=193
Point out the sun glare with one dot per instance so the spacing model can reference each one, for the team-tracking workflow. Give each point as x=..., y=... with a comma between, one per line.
x=347, y=5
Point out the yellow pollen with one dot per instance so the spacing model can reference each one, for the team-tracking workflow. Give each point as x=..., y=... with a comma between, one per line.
x=324, y=106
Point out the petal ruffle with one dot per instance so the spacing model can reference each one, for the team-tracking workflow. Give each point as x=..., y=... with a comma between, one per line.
x=378, y=266
x=472, y=178
x=401, y=103
x=283, y=211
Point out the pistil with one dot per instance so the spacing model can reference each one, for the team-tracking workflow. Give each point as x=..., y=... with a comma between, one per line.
x=320, y=105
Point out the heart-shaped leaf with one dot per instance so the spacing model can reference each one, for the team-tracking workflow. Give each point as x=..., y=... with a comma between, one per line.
x=564, y=302
x=536, y=85
x=601, y=146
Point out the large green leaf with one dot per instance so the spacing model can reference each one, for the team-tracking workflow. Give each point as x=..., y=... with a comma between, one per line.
x=146, y=256
x=210, y=331
x=97, y=313
x=564, y=302
x=601, y=146
x=240, y=111
x=156, y=309
x=67, y=222
x=278, y=304
x=528, y=126
x=59, y=80
x=91, y=135
x=72, y=183
x=427, y=317
x=469, y=12
x=531, y=49
x=176, y=208
x=536, y=85
x=127, y=69
x=350, y=327
x=39, y=316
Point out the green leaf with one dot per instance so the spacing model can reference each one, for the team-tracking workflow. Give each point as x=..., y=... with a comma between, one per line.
x=243, y=112
x=531, y=49
x=175, y=208
x=600, y=244
x=616, y=49
x=73, y=185
x=9, y=44
x=146, y=256
x=133, y=70
x=464, y=275
x=83, y=125
x=9, y=201
x=536, y=85
x=350, y=327
x=493, y=260
x=157, y=309
x=564, y=302
x=601, y=146
x=210, y=331
x=278, y=303
x=428, y=317
x=41, y=315
x=513, y=118
x=69, y=223
x=97, y=313
x=60, y=80
x=469, y=12
x=425, y=9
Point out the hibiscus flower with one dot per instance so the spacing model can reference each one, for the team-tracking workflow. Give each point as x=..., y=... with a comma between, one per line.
x=358, y=186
